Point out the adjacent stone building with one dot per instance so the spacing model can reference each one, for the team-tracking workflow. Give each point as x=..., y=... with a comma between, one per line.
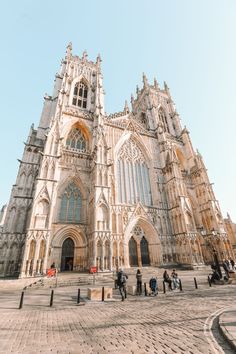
x=125, y=189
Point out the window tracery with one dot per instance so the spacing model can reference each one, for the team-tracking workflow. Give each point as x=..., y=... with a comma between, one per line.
x=71, y=204
x=133, y=175
x=80, y=95
x=76, y=140
x=163, y=120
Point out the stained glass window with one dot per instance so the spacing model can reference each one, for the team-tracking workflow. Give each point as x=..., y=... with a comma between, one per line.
x=76, y=140
x=71, y=204
x=133, y=175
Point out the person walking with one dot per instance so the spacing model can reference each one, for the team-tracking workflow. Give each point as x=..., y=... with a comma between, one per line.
x=232, y=263
x=122, y=282
x=139, y=282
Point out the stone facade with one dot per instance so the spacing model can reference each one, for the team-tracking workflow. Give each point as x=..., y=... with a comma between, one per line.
x=125, y=189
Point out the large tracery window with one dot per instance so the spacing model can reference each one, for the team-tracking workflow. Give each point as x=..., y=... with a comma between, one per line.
x=71, y=204
x=133, y=175
x=80, y=95
x=76, y=140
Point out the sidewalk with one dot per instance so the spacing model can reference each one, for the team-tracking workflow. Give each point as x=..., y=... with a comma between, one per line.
x=227, y=326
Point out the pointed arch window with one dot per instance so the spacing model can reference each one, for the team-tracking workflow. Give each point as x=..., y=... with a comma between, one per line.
x=71, y=204
x=163, y=120
x=80, y=95
x=133, y=175
x=76, y=140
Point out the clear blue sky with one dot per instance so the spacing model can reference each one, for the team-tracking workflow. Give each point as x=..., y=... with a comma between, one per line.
x=189, y=44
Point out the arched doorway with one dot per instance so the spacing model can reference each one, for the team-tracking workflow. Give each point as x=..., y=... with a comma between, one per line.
x=67, y=254
x=133, y=256
x=144, y=252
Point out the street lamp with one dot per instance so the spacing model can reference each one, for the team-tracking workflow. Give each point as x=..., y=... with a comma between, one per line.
x=212, y=249
x=215, y=255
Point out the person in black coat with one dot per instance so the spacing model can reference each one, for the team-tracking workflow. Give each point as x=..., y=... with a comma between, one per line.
x=167, y=279
x=139, y=282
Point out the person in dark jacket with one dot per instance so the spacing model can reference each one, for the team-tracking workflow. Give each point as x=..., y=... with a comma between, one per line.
x=167, y=279
x=139, y=282
x=226, y=268
x=121, y=282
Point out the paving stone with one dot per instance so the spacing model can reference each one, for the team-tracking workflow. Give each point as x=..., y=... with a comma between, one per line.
x=169, y=323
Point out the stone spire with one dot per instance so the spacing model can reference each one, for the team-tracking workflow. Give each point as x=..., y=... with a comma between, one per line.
x=166, y=88
x=98, y=60
x=69, y=50
x=145, y=81
x=156, y=84
x=84, y=56
x=126, y=107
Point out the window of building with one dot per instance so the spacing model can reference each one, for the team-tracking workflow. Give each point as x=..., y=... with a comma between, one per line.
x=71, y=203
x=163, y=120
x=80, y=95
x=76, y=140
x=133, y=175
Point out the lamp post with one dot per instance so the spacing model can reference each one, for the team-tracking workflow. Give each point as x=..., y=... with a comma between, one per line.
x=216, y=261
x=212, y=249
x=215, y=256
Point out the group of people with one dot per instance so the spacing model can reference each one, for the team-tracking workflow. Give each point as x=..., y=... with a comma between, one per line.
x=228, y=265
x=172, y=279
x=122, y=282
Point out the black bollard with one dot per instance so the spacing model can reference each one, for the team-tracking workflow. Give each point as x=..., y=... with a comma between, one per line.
x=145, y=289
x=180, y=285
x=164, y=287
x=209, y=280
x=103, y=293
x=21, y=300
x=51, y=299
x=78, y=297
x=195, y=282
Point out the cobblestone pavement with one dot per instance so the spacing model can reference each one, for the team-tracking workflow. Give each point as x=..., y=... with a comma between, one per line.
x=175, y=322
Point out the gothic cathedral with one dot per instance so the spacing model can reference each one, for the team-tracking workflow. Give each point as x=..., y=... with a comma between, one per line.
x=125, y=189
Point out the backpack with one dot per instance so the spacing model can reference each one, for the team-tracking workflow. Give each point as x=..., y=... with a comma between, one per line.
x=121, y=278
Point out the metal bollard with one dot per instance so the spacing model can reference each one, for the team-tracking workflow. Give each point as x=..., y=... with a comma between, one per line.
x=21, y=300
x=145, y=289
x=180, y=285
x=195, y=282
x=164, y=287
x=209, y=280
x=78, y=297
x=103, y=293
x=51, y=299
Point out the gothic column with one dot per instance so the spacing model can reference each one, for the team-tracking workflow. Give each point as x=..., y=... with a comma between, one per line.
x=45, y=259
x=110, y=255
x=139, y=254
x=118, y=255
x=102, y=257
x=94, y=251
x=200, y=251
x=36, y=256
x=6, y=263
x=24, y=271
